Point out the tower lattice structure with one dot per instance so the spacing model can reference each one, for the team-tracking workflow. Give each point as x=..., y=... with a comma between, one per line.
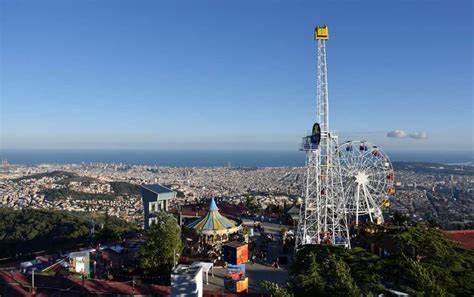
x=323, y=214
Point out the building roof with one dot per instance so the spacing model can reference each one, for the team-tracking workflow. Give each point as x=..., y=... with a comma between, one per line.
x=18, y=284
x=236, y=244
x=464, y=237
x=186, y=270
x=79, y=254
x=294, y=217
x=293, y=210
x=157, y=188
x=212, y=220
x=213, y=205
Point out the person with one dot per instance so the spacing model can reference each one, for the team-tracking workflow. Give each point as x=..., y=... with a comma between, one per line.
x=276, y=263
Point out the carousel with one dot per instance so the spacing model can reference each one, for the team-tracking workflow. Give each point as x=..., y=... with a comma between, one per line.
x=213, y=229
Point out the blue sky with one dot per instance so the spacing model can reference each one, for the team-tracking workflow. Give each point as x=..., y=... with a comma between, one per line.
x=239, y=74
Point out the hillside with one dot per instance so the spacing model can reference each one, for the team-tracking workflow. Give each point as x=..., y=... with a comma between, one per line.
x=31, y=230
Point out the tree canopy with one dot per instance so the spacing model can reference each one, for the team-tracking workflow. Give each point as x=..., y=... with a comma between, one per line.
x=322, y=271
x=163, y=243
x=30, y=230
x=417, y=260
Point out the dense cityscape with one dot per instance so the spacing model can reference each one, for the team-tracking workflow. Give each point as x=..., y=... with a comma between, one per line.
x=440, y=194
x=57, y=216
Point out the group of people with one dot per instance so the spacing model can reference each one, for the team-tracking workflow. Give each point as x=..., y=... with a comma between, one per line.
x=259, y=256
x=260, y=252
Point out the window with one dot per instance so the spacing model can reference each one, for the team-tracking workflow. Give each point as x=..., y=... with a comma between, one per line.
x=153, y=207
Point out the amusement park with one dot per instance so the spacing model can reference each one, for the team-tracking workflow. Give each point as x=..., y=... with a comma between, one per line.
x=226, y=248
x=333, y=239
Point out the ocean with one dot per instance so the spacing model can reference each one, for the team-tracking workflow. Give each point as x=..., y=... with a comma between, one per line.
x=182, y=158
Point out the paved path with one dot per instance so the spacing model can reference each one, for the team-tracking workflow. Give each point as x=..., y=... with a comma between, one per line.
x=257, y=272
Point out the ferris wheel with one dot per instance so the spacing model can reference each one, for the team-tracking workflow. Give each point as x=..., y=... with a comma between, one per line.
x=368, y=179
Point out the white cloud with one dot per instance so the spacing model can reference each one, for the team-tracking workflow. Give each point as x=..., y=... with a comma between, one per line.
x=397, y=134
x=419, y=135
x=400, y=134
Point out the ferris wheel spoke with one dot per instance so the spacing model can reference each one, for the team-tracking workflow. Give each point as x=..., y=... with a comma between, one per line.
x=377, y=193
x=372, y=201
x=351, y=158
x=367, y=204
x=364, y=162
x=361, y=157
x=368, y=162
x=376, y=182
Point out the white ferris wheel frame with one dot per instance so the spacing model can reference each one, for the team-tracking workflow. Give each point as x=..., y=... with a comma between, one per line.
x=368, y=178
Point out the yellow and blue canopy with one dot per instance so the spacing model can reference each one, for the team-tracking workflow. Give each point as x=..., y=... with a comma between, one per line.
x=212, y=220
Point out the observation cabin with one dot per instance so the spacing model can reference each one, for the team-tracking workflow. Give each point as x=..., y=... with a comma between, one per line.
x=321, y=32
x=311, y=142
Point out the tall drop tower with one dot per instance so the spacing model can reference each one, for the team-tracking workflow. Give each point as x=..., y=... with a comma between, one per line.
x=323, y=214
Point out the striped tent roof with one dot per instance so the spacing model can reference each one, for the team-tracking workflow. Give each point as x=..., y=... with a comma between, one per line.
x=212, y=220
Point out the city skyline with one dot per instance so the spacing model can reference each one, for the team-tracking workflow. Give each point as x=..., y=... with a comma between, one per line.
x=238, y=76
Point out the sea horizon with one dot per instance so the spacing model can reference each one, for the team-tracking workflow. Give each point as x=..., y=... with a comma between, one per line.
x=203, y=158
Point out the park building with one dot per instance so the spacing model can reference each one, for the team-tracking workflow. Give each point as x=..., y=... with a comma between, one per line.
x=155, y=198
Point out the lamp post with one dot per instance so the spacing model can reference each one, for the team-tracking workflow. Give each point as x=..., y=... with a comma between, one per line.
x=33, y=280
x=83, y=288
x=175, y=254
x=133, y=286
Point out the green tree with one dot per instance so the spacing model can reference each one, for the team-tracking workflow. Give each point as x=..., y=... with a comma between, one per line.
x=275, y=290
x=399, y=218
x=252, y=205
x=366, y=269
x=306, y=275
x=108, y=232
x=420, y=262
x=423, y=280
x=339, y=281
x=321, y=270
x=274, y=209
x=421, y=253
x=162, y=244
x=31, y=230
